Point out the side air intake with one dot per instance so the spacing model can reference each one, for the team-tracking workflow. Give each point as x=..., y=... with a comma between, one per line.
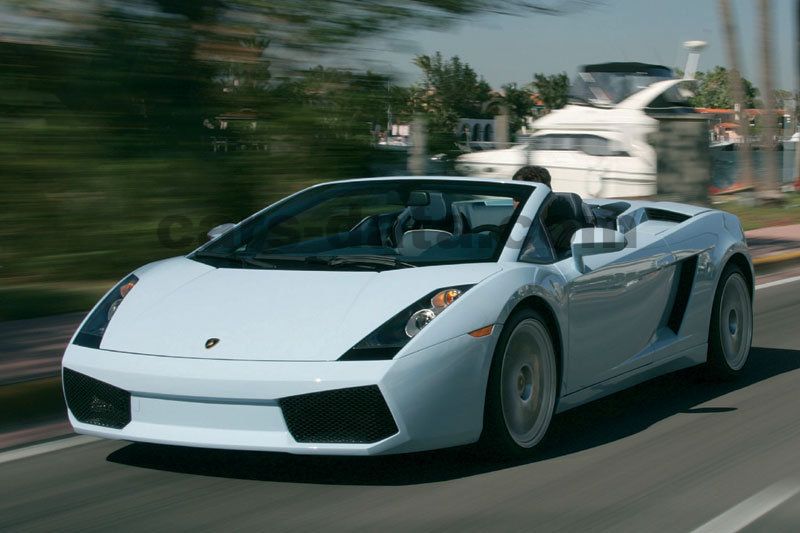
x=688, y=267
x=665, y=216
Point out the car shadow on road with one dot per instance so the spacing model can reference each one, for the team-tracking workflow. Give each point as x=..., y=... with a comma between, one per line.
x=601, y=422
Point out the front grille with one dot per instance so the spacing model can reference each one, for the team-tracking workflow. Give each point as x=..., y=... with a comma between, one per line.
x=355, y=415
x=97, y=403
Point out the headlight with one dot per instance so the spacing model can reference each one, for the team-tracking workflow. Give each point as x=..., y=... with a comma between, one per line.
x=388, y=339
x=95, y=326
x=419, y=320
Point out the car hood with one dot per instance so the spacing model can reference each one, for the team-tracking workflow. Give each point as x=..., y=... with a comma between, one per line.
x=267, y=315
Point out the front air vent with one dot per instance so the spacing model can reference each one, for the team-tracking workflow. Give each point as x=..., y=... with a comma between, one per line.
x=357, y=415
x=94, y=402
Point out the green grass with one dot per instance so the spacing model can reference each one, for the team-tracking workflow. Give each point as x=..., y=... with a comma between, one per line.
x=44, y=299
x=754, y=217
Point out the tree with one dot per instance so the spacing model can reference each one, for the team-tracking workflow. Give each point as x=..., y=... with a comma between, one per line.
x=321, y=24
x=736, y=90
x=714, y=90
x=768, y=186
x=779, y=96
x=518, y=101
x=104, y=104
x=450, y=89
x=796, y=174
x=552, y=89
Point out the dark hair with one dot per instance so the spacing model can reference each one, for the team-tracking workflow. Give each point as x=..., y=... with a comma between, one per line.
x=533, y=173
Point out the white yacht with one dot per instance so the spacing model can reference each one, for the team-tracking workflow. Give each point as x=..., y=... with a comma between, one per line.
x=597, y=145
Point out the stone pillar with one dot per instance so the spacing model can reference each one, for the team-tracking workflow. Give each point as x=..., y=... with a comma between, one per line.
x=501, y=126
x=683, y=167
x=417, y=154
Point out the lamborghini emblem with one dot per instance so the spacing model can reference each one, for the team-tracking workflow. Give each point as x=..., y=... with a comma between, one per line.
x=210, y=343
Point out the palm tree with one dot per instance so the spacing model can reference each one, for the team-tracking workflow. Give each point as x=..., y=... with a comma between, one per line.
x=768, y=189
x=746, y=172
x=796, y=175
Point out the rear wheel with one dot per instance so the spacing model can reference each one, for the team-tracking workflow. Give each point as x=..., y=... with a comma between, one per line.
x=731, y=329
x=522, y=389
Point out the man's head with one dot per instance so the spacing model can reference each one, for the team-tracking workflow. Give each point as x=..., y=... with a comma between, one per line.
x=533, y=173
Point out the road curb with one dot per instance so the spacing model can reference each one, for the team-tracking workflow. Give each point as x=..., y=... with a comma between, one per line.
x=780, y=257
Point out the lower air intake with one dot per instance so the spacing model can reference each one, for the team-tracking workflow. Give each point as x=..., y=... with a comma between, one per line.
x=357, y=415
x=97, y=403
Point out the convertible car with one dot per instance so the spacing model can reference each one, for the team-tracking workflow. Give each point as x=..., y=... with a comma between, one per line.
x=392, y=315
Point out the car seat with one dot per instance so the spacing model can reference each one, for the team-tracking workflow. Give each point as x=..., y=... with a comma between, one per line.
x=566, y=214
x=434, y=215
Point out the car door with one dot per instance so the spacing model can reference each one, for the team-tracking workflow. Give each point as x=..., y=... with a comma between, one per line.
x=615, y=307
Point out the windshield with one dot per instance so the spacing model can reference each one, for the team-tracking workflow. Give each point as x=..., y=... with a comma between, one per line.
x=375, y=225
x=611, y=88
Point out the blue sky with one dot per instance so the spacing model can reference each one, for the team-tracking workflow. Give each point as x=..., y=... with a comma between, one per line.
x=504, y=49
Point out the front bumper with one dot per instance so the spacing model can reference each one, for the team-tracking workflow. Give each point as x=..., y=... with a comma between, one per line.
x=435, y=398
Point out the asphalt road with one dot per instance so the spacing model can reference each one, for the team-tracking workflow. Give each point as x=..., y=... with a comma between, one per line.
x=669, y=455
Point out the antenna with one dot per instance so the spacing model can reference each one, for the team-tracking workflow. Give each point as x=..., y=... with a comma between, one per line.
x=694, y=48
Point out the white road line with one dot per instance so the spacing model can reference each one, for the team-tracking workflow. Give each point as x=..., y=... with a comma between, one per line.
x=779, y=282
x=45, y=447
x=751, y=509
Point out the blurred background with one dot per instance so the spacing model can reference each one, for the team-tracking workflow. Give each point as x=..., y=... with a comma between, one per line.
x=129, y=128
x=132, y=127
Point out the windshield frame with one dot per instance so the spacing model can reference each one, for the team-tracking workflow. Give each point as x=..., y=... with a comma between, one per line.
x=513, y=190
x=580, y=91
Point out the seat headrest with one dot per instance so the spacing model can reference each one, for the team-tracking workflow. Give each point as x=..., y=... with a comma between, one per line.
x=567, y=205
x=562, y=208
x=435, y=211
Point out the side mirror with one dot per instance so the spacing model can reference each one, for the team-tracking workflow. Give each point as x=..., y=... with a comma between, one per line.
x=216, y=231
x=593, y=241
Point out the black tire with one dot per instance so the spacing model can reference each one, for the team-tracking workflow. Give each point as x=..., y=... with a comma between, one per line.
x=530, y=375
x=730, y=332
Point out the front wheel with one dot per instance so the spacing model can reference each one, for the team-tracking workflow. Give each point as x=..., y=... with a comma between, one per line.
x=731, y=330
x=522, y=389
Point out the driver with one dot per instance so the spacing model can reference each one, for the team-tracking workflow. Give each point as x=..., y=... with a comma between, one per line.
x=533, y=173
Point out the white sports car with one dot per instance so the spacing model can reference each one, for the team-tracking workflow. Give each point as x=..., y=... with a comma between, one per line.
x=393, y=315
